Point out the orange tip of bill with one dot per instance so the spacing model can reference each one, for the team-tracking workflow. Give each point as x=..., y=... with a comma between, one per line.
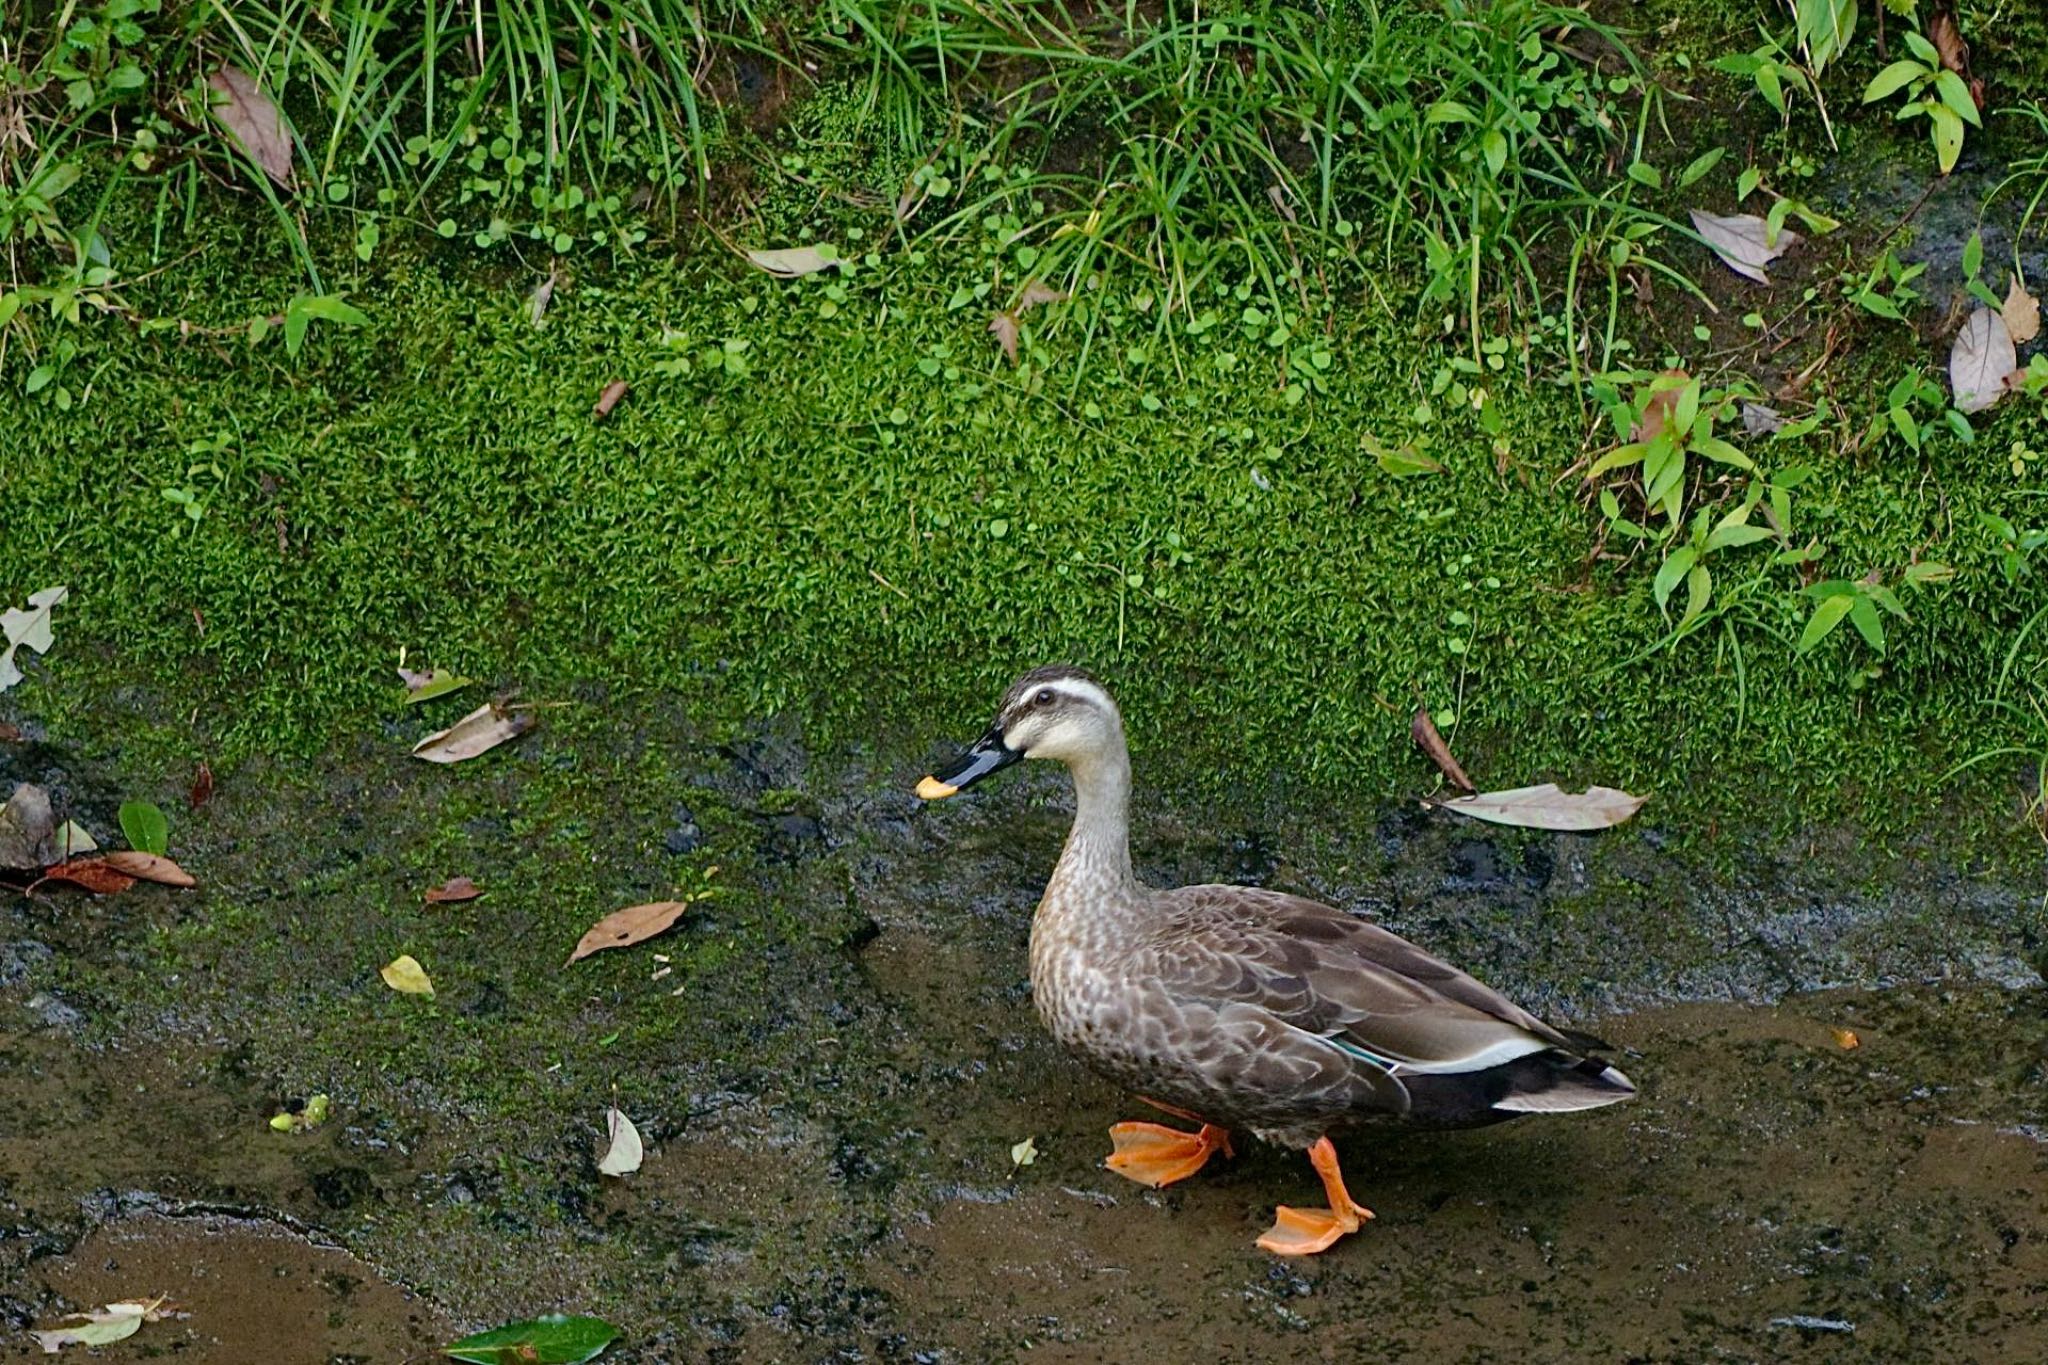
x=931, y=789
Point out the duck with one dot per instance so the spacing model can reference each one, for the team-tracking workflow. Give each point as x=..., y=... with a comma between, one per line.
x=1237, y=1008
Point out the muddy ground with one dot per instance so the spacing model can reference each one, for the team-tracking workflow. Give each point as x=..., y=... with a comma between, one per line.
x=833, y=1068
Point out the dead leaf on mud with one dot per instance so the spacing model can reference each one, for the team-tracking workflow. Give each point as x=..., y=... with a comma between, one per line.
x=251, y=116
x=28, y=829
x=150, y=867
x=1023, y=1153
x=1546, y=807
x=478, y=732
x=792, y=262
x=609, y=399
x=543, y=294
x=624, y=928
x=1979, y=361
x=1431, y=741
x=29, y=627
x=1003, y=327
x=1743, y=242
x=115, y=1322
x=623, y=1152
x=2021, y=313
x=72, y=840
x=10, y=733
x=1846, y=1039
x=405, y=975
x=453, y=890
x=94, y=874
x=202, y=786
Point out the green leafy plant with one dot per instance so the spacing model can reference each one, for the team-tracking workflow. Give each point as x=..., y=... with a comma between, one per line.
x=1931, y=92
x=1864, y=603
x=1886, y=289
x=1668, y=426
x=1769, y=67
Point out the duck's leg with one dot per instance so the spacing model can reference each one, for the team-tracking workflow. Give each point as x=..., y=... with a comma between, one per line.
x=1153, y=1154
x=1303, y=1232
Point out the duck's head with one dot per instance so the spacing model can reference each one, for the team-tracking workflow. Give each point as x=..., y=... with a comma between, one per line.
x=1054, y=712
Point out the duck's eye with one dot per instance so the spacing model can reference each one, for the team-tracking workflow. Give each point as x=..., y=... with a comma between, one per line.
x=1044, y=697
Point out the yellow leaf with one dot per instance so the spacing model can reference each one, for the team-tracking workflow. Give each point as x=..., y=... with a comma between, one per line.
x=1845, y=1039
x=404, y=974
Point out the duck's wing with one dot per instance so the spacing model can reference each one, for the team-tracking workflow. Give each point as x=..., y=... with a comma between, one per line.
x=1342, y=981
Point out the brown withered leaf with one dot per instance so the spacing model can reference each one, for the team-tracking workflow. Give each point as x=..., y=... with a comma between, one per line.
x=453, y=890
x=202, y=785
x=1003, y=327
x=1657, y=412
x=478, y=732
x=1846, y=1039
x=1035, y=293
x=149, y=867
x=94, y=874
x=1947, y=37
x=254, y=121
x=2022, y=313
x=609, y=399
x=1980, y=360
x=9, y=733
x=624, y=928
x=1431, y=741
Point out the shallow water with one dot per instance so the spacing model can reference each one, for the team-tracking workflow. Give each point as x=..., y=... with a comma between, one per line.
x=832, y=1077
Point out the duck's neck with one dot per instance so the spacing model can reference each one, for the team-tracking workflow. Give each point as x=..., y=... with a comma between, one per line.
x=1097, y=858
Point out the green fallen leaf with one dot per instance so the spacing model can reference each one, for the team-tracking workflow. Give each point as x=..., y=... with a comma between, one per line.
x=556, y=1339
x=432, y=683
x=1403, y=461
x=147, y=829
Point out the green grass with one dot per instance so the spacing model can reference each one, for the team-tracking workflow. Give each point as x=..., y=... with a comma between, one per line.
x=869, y=519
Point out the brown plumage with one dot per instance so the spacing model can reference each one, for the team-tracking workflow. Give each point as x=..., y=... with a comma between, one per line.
x=1245, y=1007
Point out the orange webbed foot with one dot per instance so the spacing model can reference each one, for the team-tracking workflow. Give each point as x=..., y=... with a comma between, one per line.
x=1304, y=1232
x=1153, y=1154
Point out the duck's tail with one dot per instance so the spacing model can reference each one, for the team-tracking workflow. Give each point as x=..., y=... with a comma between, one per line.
x=1558, y=1082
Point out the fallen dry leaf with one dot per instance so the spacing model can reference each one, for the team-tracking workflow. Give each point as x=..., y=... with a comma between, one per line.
x=115, y=1322
x=1547, y=807
x=149, y=867
x=1758, y=420
x=1023, y=1153
x=10, y=733
x=30, y=627
x=1978, y=363
x=250, y=115
x=1947, y=38
x=202, y=786
x=1846, y=1039
x=1003, y=327
x=543, y=294
x=1034, y=294
x=794, y=261
x=72, y=840
x=94, y=874
x=2021, y=313
x=1741, y=241
x=1431, y=741
x=478, y=732
x=622, y=1151
x=28, y=829
x=1657, y=412
x=430, y=683
x=453, y=890
x=405, y=975
x=609, y=399
x=624, y=928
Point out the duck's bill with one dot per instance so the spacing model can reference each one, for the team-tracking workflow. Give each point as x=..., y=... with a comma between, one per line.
x=986, y=756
